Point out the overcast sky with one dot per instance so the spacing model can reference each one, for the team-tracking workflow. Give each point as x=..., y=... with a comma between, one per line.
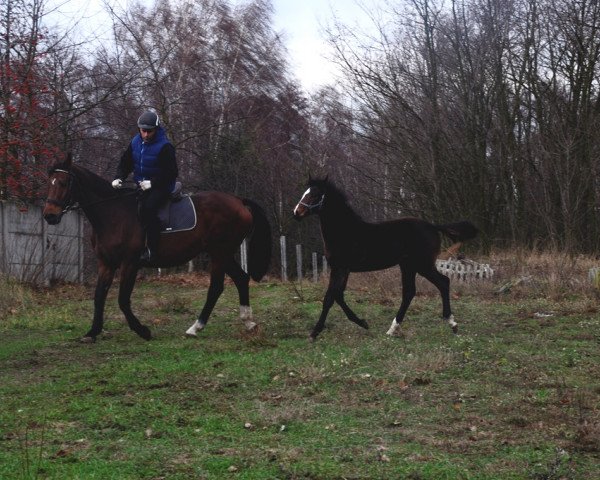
x=301, y=23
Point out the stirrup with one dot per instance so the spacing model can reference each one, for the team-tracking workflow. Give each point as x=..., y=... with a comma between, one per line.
x=146, y=256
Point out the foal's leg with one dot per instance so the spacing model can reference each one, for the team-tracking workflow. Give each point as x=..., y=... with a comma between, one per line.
x=442, y=282
x=408, y=293
x=128, y=277
x=242, y=280
x=347, y=310
x=103, y=283
x=335, y=292
x=217, y=278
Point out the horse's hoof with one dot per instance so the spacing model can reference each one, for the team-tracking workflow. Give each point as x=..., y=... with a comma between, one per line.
x=250, y=326
x=87, y=339
x=364, y=324
x=191, y=335
x=455, y=330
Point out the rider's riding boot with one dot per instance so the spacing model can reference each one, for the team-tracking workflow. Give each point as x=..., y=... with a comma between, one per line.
x=149, y=252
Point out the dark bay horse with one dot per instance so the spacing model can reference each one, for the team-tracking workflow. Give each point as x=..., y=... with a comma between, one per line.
x=354, y=245
x=223, y=221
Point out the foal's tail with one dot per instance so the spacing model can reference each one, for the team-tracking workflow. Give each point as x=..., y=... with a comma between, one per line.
x=459, y=231
x=259, y=244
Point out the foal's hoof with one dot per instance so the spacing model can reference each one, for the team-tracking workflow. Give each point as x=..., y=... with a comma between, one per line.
x=363, y=324
x=145, y=333
x=191, y=335
x=455, y=329
x=87, y=339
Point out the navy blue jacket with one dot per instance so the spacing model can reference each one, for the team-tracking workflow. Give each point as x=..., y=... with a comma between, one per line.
x=154, y=161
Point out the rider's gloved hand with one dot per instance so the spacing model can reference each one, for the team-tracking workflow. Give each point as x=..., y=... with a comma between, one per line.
x=145, y=184
x=117, y=183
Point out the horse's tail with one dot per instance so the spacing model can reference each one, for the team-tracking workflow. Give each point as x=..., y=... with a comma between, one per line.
x=259, y=244
x=459, y=231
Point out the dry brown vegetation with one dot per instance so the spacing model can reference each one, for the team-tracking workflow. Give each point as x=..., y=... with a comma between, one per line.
x=522, y=272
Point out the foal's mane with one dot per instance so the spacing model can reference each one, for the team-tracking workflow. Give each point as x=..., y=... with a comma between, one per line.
x=334, y=195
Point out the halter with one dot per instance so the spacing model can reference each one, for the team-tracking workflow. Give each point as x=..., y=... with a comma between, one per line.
x=312, y=206
x=65, y=205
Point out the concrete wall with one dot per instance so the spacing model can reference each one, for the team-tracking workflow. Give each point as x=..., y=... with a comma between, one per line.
x=33, y=251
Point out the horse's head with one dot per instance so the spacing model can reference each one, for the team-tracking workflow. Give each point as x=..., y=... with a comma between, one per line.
x=312, y=199
x=60, y=194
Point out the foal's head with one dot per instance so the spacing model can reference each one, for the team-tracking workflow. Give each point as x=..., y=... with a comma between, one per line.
x=313, y=199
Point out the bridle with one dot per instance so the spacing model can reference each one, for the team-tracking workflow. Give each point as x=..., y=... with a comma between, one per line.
x=66, y=205
x=313, y=206
x=69, y=205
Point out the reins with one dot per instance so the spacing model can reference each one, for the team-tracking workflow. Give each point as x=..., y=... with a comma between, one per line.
x=69, y=206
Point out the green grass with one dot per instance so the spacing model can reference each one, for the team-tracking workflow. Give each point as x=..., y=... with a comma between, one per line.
x=514, y=396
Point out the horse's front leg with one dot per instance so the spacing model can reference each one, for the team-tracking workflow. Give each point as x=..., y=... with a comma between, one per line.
x=128, y=277
x=103, y=283
x=215, y=289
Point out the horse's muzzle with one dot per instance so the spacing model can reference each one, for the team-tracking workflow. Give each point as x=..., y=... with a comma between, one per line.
x=52, y=218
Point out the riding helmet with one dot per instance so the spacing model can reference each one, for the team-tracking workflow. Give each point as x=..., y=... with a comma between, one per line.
x=148, y=120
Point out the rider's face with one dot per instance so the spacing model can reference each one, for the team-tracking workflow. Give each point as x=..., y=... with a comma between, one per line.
x=147, y=134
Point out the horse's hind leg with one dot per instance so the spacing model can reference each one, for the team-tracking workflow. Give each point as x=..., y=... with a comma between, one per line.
x=408, y=293
x=217, y=278
x=442, y=282
x=103, y=283
x=242, y=281
x=128, y=274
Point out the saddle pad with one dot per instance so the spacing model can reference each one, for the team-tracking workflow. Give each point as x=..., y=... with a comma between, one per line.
x=177, y=216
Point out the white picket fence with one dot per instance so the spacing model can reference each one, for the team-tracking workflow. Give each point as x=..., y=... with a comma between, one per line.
x=465, y=270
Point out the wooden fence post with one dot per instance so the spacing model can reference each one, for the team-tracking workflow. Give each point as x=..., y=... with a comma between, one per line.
x=299, y=262
x=315, y=267
x=284, y=276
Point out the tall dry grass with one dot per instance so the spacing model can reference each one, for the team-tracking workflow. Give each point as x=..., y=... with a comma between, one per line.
x=521, y=272
x=14, y=296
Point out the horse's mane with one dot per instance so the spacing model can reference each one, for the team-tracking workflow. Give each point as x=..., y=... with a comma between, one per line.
x=95, y=181
x=334, y=195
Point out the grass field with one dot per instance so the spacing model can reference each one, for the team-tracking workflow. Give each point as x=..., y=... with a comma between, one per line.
x=516, y=395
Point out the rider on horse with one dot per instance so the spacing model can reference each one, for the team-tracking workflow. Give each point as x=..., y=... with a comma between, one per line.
x=151, y=157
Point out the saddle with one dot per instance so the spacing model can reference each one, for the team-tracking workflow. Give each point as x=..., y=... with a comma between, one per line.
x=179, y=213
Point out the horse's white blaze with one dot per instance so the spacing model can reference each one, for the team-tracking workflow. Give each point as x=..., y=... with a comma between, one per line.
x=193, y=330
x=394, y=328
x=304, y=195
x=451, y=321
x=246, y=316
x=53, y=181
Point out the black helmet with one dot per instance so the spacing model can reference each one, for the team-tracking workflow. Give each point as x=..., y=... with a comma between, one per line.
x=148, y=120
